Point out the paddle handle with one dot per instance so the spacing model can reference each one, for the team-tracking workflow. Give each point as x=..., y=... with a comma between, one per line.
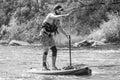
x=70, y=51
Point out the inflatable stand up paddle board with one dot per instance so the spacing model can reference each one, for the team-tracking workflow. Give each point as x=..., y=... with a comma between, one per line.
x=79, y=71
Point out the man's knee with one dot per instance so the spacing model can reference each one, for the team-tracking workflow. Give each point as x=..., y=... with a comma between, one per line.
x=54, y=50
x=45, y=53
x=46, y=49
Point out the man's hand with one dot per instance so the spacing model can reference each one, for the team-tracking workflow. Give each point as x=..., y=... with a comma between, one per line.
x=67, y=36
x=72, y=11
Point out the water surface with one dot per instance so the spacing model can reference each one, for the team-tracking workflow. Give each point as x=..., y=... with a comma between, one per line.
x=15, y=61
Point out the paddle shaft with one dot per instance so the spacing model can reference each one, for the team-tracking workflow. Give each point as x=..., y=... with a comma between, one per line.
x=70, y=50
x=70, y=43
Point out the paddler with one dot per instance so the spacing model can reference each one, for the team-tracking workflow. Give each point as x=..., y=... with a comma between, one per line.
x=50, y=27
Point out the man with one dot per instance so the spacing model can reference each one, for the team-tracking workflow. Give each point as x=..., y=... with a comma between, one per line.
x=49, y=29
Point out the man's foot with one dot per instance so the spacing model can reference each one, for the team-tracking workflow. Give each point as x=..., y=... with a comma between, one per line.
x=45, y=68
x=55, y=68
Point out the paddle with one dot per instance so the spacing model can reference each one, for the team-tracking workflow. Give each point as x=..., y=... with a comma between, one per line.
x=70, y=43
x=70, y=59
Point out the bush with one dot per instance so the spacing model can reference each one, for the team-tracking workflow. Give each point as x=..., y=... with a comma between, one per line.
x=25, y=31
x=111, y=29
x=108, y=30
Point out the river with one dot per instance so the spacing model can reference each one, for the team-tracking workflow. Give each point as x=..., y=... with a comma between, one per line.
x=16, y=60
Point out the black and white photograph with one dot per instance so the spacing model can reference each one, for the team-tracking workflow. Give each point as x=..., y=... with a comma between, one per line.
x=59, y=39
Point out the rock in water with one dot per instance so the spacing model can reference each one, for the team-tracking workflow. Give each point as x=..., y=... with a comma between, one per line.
x=18, y=43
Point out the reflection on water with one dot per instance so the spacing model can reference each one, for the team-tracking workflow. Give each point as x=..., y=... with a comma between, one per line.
x=39, y=77
x=105, y=64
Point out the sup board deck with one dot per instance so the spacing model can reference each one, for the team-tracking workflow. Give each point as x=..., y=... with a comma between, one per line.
x=80, y=71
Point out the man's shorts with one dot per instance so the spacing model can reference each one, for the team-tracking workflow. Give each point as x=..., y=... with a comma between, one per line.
x=47, y=40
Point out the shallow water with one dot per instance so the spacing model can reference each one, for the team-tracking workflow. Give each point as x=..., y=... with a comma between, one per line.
x=15, y=61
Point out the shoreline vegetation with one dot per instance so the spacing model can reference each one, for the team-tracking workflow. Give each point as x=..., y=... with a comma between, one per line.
x=93, y=20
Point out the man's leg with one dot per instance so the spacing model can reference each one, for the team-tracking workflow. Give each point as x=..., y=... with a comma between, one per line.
x=46, y=49
x=54, y=56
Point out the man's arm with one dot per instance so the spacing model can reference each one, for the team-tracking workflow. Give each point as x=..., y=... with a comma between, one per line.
x=63, y=31
x=58, y=16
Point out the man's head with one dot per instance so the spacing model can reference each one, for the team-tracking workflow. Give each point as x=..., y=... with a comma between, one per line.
x=58, y=9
